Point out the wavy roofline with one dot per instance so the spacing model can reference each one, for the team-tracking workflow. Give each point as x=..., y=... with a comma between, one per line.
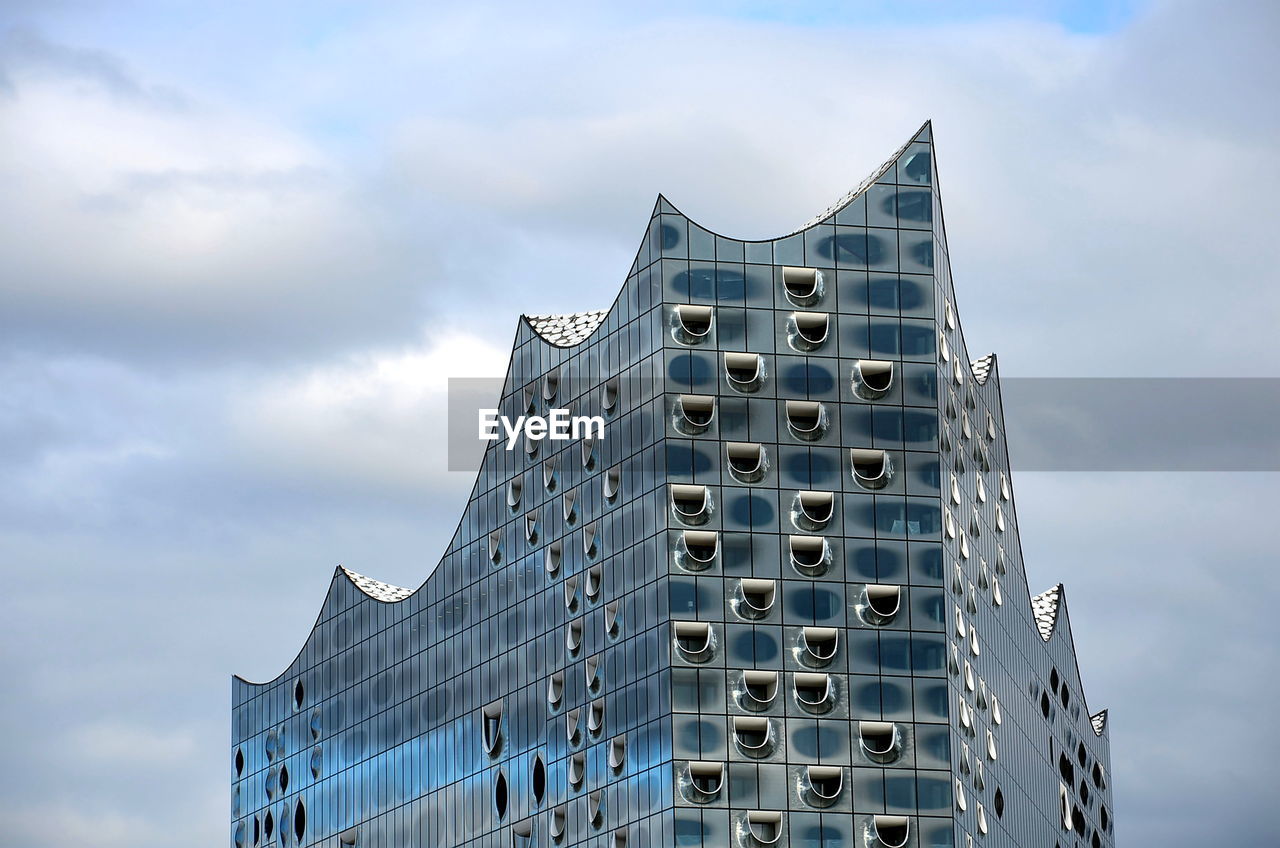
x=990, y=382
x=306, y=641
x=981, y=371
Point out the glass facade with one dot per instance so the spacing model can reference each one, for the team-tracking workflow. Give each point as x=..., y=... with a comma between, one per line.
x=780, y=602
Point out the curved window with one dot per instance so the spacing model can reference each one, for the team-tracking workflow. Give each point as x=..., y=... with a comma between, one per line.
x=747, y=461
x=759, y=688
x=491, y=723
x=539, y=779
x=522, y=834
x=881, y=603
x=809, y=555
x=569, y=506
x=691, y=503
x=812, y=510
x=588, y=449
x=804, y=286
x=500, y=796
x=618, y=752
x=609, y=395
x=872, y=469
x=595, y=717
x=589, y=536
x=703, y=781
x=872, y=378
x=693, y=414
x=891, y=831
x=239, y=762
x=571, y=593
x=753, y=735
x=551, y=473
x=573, y=725
x=757, y=597
x=808, y=330
x=551, y=557
x=573, y=636
x=495, y=546
x=697, y=549
x=807, y=420
x=556, y=827
x=595, y=807
x=577, y=769
x=814, y=692
x=691, y=324
x=551, y=384
x=514, y=490
x=822, y=785
x=555, y=689
x=744, y=371
x=818, y=645
x=880, y=740
x=694, y=640
x=531, y=529
x=591, y=668
x=612, y=482
x=764, y=826
x=595, y=579
x=611, y=618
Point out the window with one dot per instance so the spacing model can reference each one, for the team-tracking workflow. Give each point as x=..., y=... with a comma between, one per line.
x=753, y=736
x=691, y=325
x=814, y=692
x=696, y=549
x=880, y=740
x=694, y=640
x=813, y=510
x=881, y=603
x=757, y=597
x=809, y=555
x=744, y=371
x=747, y=461
x=818, y=645
x=872, y=469
x=872, y=378
x=691, y=504
x=803, y=286
x=703, y=781
x=822, y=785
x=693, y=414
x=808, y=331
x=807, y=420
x=759, y=688
x=891, y=831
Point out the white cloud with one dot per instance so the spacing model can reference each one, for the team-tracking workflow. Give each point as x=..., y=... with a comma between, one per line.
x=374, y=419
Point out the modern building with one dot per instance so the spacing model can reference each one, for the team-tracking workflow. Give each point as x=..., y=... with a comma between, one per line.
x=781, y=602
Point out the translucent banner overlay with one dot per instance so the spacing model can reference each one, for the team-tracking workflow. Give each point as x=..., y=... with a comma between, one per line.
x=1052, y=424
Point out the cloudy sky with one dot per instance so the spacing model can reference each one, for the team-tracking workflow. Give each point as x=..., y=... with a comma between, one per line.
x=241, y=244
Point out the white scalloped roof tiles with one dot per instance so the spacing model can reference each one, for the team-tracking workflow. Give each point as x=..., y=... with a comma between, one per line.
x=376, y=589
x=982, y=367
x=567, y=330
x=1045, y=608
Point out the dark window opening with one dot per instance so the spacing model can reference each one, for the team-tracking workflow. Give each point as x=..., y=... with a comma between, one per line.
x=500, y=795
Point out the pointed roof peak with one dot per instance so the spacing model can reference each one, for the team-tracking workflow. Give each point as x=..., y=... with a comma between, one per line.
x=924, y=134
x=376, y=589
